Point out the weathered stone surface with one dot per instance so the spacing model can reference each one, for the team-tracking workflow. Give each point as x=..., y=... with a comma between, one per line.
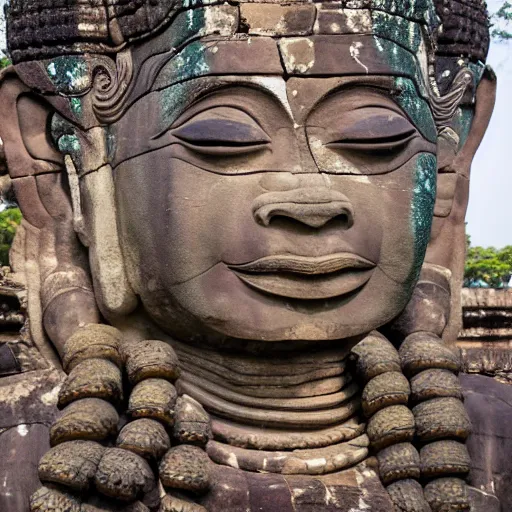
x=319, y=461
x=444, y=458
x=447, y=494
x=391, y=425
x=422, y=351
x=173, y=504
x=441, y=418
x=192, y=423
x=398, y=462
x=486, y=298
x=123, y=475
x=489, y=406
x=275, y=19
x=186, y=467
x=407, y=496
x=145, y=437
x=91, y=342
x=150, y=359
x=375, y=355
x=430, y=306
x=29, y=398
x=19, y=475
x=391, y=388
x=236, y=490
x=484, y=340
x=435, y=384
x=89, y=419
x=331, y=19
x=269, y=191
x=153, y=398
x=275, y=439
x=489, y=360
x=46, y=500
x=92, y=378
x=72, y=464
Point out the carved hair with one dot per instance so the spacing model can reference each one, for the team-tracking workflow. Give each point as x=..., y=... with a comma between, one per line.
x=40, y=29
x=464, y=29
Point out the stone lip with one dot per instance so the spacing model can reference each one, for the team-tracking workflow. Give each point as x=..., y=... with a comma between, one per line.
x=306, y=265
x=307, y=278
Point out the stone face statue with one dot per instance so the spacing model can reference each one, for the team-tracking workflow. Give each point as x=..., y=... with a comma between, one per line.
x=233, y=247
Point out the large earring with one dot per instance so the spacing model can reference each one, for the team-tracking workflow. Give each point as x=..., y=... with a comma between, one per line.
x=95, y=220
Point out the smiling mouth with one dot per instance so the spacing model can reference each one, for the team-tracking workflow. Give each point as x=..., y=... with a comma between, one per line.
x=306, y=278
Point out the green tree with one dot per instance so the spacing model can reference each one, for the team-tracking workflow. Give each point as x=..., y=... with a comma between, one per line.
x=4, y=62
x=502, y=22
x=9, y=222
x=488, y=266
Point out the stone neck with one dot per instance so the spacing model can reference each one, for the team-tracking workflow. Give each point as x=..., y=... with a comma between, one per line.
x=291, y=392
x=294, y=413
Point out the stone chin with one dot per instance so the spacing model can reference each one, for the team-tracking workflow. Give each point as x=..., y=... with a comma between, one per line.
x=219, y=305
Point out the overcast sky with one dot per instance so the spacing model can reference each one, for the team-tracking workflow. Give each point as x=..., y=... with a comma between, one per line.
x=490, y=205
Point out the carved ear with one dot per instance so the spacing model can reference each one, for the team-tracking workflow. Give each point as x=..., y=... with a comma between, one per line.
x=455, y=159
x=484, y=105
x=447, y=248
x=436, y=303
x=47, y=254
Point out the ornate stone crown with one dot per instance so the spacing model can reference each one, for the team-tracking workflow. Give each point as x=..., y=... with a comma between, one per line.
x=45, y=28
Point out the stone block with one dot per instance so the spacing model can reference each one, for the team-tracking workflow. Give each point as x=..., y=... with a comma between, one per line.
x=333, y=20
x=275, y=19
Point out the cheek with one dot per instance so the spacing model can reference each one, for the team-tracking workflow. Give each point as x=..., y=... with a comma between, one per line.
x=406, y=199
x=179, y=221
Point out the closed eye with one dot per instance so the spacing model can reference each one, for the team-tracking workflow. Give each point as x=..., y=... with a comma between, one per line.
x=222, y=131
x=392, y=142
x=377, y=133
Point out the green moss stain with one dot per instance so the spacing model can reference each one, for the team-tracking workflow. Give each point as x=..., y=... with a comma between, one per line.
x=173, y=100
x=191, y=62
x=65, y=137
x=69, y=144
x=401, y=30
x=416, y=107
x=422, y=11
x=76, y=106
x=463, y=118
x=398, y=36
x=462, y=122
x=402, y=62
x=477, y=68
x=194, y=23
x=69, y=74
x=422, y=208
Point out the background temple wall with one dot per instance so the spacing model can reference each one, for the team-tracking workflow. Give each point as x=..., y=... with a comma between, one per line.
x=486, y=338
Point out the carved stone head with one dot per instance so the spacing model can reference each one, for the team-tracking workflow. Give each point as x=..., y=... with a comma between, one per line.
x=250, y=171
x=261, y=184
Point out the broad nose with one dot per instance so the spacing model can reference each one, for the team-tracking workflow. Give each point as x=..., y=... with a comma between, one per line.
x=312, y=206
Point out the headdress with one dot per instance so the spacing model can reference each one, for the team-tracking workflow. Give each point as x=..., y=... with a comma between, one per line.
x=39, y=29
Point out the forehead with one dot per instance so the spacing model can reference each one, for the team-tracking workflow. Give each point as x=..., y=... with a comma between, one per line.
x=298, y=39
x=276, y=36
x=286, y=41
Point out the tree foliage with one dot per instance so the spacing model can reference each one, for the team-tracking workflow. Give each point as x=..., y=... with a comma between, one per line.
x=488, y=267
x=502, y=22
x=9, y=221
